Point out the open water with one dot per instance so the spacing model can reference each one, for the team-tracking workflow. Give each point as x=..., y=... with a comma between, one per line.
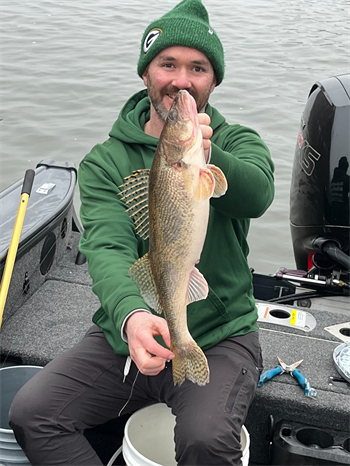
x=68, y=66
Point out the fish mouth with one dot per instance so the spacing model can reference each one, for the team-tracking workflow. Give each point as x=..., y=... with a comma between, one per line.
x=186, y=98
x=189, y=111
x=188, y=102
x=183, y=114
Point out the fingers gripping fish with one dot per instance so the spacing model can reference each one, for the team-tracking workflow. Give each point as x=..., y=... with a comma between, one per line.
x=170, y=204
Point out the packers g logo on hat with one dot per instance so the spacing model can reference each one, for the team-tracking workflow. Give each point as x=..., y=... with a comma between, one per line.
x=151, y=37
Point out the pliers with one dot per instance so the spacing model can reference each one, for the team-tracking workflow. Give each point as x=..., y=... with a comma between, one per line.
x=293, y=371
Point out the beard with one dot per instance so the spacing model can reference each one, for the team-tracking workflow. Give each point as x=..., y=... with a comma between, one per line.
x=156, y=98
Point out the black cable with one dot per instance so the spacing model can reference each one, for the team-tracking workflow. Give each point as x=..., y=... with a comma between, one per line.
x=298, y=296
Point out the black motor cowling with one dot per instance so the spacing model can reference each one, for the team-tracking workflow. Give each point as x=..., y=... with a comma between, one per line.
x=319, y=198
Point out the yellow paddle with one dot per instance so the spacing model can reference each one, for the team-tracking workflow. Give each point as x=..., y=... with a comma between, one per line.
x=17, y=229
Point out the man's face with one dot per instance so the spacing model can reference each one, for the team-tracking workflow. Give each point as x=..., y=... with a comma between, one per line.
x=178, y=68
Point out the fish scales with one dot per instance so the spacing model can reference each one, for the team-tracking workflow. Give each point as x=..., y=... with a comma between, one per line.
x=168, y=219
x=180, y=186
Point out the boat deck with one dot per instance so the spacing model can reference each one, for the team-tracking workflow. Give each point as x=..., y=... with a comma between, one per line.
x=57, y=312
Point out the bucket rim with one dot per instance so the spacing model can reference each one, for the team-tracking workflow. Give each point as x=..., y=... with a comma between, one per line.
x=247, y=437
x=21, y=366
x=5, y=431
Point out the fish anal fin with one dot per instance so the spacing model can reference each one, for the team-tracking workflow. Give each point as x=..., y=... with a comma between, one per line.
x=197, y=287
x=220, y=180
x=206, y=184
x=141, y=275
x=190, y=364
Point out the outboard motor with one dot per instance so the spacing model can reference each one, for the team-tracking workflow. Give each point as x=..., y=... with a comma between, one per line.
x=319, y=197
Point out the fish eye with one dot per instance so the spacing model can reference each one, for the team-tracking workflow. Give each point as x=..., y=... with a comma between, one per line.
x=172, y=115
x=177, y=165
x=180, y=165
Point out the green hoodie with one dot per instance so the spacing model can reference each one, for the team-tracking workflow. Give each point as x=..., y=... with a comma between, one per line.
x=111, y=246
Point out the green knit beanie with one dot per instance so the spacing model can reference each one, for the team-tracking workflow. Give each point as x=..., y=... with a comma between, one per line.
x=187, y=24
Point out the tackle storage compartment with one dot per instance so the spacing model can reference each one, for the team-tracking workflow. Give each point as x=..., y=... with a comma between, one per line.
x=50, y=218
x=51, y=196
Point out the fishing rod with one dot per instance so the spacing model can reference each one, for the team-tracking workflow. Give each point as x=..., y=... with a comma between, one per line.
x=12, y=252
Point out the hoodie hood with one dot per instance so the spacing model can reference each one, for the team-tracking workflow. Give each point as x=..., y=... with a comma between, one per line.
x=131, y=121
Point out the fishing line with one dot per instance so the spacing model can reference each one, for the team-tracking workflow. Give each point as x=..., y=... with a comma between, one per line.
x=131, y=392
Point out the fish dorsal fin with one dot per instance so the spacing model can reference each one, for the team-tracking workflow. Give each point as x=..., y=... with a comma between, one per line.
x=206, y=184
x=134, y=193
x=197, y=288
x=141, y=275
x=220, y=180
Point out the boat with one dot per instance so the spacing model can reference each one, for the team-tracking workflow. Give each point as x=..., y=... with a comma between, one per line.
x=303, y=313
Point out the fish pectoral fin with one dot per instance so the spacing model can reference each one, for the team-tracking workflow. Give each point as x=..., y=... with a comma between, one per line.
x=134, y=192
x=220, y=180
x=206, y=184
x=197, y=288
x=141, y=275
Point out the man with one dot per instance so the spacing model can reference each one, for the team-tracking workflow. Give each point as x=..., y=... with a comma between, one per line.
x=92, y=383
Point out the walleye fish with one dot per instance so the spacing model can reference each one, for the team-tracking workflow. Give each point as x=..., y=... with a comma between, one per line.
x=170, y=205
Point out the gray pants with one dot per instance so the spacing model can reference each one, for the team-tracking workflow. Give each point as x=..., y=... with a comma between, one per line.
x=84, y=387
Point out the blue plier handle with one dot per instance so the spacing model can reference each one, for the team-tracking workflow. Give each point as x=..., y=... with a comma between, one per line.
x=304, y=383
x=267, y=375
x=292, y=370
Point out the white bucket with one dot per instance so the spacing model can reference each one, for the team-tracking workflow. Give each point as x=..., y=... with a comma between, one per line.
x=12, y=379
x=149, y=438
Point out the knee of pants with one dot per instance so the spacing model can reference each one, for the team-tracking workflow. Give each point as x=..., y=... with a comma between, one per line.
x=214, y=437
x=25, y=411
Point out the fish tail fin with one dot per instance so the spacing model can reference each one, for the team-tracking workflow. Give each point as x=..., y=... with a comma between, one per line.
x=190, y=364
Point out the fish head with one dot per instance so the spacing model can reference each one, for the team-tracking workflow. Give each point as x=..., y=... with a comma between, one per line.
x=181, y=139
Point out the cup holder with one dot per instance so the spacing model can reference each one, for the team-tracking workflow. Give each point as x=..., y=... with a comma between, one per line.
x=345, y=331
x=346, y=445
x=280, y=314
x=315, y=438
x=296, y=443
x=286, y=431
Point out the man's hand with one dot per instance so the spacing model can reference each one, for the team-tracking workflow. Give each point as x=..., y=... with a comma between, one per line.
x=207, y=132
x=147, y=354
